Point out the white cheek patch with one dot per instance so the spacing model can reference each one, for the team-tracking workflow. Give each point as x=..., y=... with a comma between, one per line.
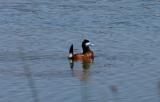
x=87, y=44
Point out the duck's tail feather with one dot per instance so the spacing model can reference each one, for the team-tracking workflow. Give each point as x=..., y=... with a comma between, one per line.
x=70, y=52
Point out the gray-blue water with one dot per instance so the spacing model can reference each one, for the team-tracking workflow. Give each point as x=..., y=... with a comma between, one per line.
x=35, y=36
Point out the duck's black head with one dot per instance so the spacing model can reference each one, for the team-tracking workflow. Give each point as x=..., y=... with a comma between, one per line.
x=85, y=45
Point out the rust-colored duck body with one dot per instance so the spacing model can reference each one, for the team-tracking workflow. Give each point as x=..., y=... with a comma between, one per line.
x=86, y=55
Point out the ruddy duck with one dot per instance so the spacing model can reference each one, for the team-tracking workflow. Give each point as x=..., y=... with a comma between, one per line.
x=86, y=55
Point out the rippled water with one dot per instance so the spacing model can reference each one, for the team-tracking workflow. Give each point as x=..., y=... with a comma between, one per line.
x=35, y=36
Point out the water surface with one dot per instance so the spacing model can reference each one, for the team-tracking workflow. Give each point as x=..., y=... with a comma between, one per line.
x=35, y=37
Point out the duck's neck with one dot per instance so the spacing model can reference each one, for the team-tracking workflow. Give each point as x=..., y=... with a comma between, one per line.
x=86, y=49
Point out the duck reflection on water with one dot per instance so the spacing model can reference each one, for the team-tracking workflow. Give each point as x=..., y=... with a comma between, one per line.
x=82, y=73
